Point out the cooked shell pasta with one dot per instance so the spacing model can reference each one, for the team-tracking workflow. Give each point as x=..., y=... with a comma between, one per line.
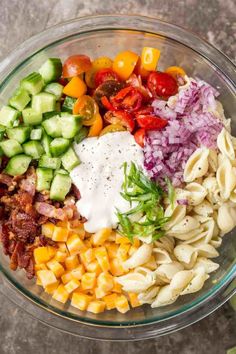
x=165, y=296
x=167, y=271
x=197, y=165
x=197, y=282
x=204, y=209
x=186, y=254
x=225, y=144
x=226, y=219
x=207, y=264
x=136, y=282
x=162, y=256
x=213, y=191
x=141, y=256
x=176, y=215
x=197, y=193
x=206, y=250
x=226, y=178
x=213, y=160
x=148, y=296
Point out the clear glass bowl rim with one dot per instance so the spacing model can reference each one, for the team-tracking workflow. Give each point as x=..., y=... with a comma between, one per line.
x=96, y=329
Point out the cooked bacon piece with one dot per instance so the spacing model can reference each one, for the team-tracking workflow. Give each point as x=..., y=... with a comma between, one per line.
x=75, y=191
x=50, y=211
x=29, y=183
x=24, y=226
x=45, y=241
x=5, y=179
x=4, y=238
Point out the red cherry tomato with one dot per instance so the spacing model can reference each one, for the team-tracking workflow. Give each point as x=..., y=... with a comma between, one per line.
x=139, y=137
x=76, y=65
x=147, y=120
x=161, y=84
x=62, y=81
x=107, y=104
x=120, y=117
x=129, y=99
x=105, y=74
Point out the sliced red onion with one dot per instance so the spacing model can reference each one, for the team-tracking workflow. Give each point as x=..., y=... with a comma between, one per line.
x=182, y=201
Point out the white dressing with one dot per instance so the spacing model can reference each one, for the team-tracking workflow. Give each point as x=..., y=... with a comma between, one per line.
x=100, y=175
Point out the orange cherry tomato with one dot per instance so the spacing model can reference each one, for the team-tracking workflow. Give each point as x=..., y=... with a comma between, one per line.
x=75, y=87
x=112, y=128
x=86, y=107
x=97, y=64
x=175, y=71
x=124, y=64
x=149, y=58
x=139, y=137
x=120, y=117
x=97, y=126
x=76, y=65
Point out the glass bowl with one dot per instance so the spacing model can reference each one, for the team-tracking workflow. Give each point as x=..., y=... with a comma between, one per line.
x=107, y=35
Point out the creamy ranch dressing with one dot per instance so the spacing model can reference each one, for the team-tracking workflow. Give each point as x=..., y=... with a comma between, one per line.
x=100, y=175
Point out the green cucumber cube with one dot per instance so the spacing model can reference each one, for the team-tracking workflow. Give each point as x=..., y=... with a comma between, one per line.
x=58, y=146
x=51, y=70
x=55, y=88
x=70, y=160
x=8, y=116
x=20, y=99
x=70, y=125
x=36, y=134
x=60, y=187
x=68, y=104
x=81, y=135
x=33, y=83
x=31, y=116
x=33, y=148
x=52, y=126
x=17, y=165
x=44, y=178
x=21, y=134
x=11, y=147
x=50, y=162
x=44, y=102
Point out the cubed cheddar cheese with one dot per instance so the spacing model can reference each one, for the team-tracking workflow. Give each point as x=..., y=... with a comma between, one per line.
x=122, y=252
x=110, y=301
x=62, y=247
x=47, y=277
x=64, y=224
x=41, y=266
x=47, y=229
x=56, y=267
x=43, y=254
x=72, y=285
x=94, y=267
x=67, y=277
x=122, y=304
x=79, y=230
x=101, y=236
x=88, y=281
x=60, y=256
x=117, y=288
x=105, y=281
x=75, y=245
x=50, y=289
x=116, y=267
x=78, y=272
x=121, y=239
x=136, y=242
x=72, y=262
x=80, y=300
x=102, y=258
x=61, y=294
x=100, y=293
x=87, y=256
x=133, y=298
x=112, y=249
x=60, y=234
x=96, y=306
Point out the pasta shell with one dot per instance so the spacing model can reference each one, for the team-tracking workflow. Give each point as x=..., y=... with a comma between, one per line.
x=176, y=215
x=165, y=296
x=226, y=179
x=216, y=241
x=186, y=254
x=141, y=256
x=206, y=250
x=197, y=193
x=226, y=219
x=188, y=223
x=136, y=282
x=213, y=160
x=149, y=295
x=208, y=265
x=165, y=242
x=225, y=144
x=197, y=282
x=197, y=165
x=213, y=191
x=204, y=208
x=167, y=271
x=181, y=280
x=162, y=256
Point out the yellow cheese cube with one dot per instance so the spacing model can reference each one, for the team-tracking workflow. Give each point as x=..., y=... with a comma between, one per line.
x=78, y=272
x=133, y=298
x=102, y=258
x=64, y=224
x=66, y=277
x=50, y=289
x=112, y=249
x=136, y=242
x=87, y=256
x=47, y=229
x=112, y=236
x=88, y=281
x=60, y=256
x=52, y=251
x=116, y=267
x=62, y=247
x=88, y=243
x=60, y=234
x=96, y=306
x=117, y=288
x=122, y=253
x=80, y=300
x=101, y=236
x=72, y=285
x=61, y=294
x=100, y=293
x=40, y=266
x=110, y=301
x=71, y=262
x=42, y=254
x=56, y=267
x=47, y=277
x=121, y=239
x=105, y=281
x=94, y=267
x=122, y=304
x=75, y=245
x=77, y=229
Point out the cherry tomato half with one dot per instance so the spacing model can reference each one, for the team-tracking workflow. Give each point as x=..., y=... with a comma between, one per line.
x=129, y=99
x=105, y=74
x=161, y=84
x=120, y=117
x=107, y=104
x=112, y=128
x=147, y=120
x=175, y=71
x=87, y=108
x=97, y=126
x=139, y=137
x=97, y=64
x=76, y=65
x=124, y=64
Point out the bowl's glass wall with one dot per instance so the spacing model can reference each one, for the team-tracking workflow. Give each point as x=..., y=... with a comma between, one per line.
x=109, y=42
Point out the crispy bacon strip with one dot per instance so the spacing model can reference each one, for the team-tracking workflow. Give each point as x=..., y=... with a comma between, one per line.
x=50, y=211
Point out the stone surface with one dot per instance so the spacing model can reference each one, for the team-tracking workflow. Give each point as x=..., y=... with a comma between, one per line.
x=215, y=20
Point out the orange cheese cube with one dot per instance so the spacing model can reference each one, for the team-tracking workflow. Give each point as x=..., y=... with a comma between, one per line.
x=75, y=245
x=60, y=256
x=102, y=258
x=122, y=253
x=42, y=254
x=116, y=267
x=136, y=242
x=133, y=298
x=67, y=277
x=62, y=247
x=121, y=239
x=88, y=242
x=61, y=294
x=40, y=266
x=72, y=285
x=60, y=234
x=87, y=256
x=112, y=236
x=78, y=230
x=50, y=289
x=47, y=229
x=96, y=306
x=88, y=281
x=64, y=224
x=94, y=267
x=71, y=262
x=80, y=300
x=117, y=288
x=112, y=249
x=110, y=301
x=122, y=304
x=56, y=267
x=100, y=293
x=78, y=272
x=101, y=236
x=105, y=281
x=47, y=277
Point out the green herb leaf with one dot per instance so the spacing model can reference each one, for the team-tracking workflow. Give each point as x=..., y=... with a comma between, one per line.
x=171, y=191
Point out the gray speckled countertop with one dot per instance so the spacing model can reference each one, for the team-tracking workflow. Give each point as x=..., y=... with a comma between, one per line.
x=215, y=20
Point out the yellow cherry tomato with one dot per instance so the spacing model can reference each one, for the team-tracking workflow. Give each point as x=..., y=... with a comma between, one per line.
x=86, y=107
x=75, y=87
x=112, y=128
x=97, y=126
x=175, y=71
x=124, y=64
x=97, y=64
x=149, y=58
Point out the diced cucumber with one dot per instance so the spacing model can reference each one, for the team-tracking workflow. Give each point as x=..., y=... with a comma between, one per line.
x=51, y=70
x=48, y=115
x=61, y=171
x=70, y=125
x=44, y=178
x=70, y=160
x=20, y=99
x=11, y=147
x=46, y=141
x=8, y=116
x=2, y=132
x=33, y=83
x=21, y=134
x=55, y=88
x=52, y=126
x=36, y=134
x=58, y=146
x=68, y=104
x=81, y=135
x=44, y=102
x=33, y=148
x=60, y=187
x=18, y=165
x=50, y=162
x=58, y=107
x=31, y=116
